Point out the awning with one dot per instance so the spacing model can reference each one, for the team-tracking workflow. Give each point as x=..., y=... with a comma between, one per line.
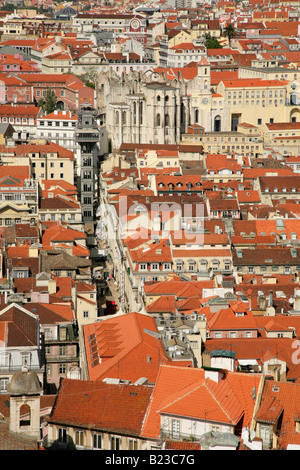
x=247, y=362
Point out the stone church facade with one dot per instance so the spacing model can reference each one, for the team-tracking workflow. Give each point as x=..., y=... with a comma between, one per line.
x=153, y=108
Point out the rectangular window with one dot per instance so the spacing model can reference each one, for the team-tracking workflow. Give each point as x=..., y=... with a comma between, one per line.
x=132, y=444
x=79, y=436
x=97, y=441
x=115, y=443
x=175, y=428
x=62, y=435
x=3, y=384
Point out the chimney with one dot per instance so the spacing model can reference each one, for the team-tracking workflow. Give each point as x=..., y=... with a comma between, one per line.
x=271, y=298
x=214, y=374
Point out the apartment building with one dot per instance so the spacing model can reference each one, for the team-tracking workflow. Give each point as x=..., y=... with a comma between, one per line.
x=246, y=140
x=59, y=127
x=254, y=101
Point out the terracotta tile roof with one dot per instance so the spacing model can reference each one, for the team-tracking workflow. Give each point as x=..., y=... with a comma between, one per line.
x=51, y=314
x=59, y=115
x=164, y=304
x=178, y=287
x=156, y=252
x=182, y=445
x=16, y=327
x=224, y=204
x=13, y=441
x=248, y=83
x=263, y=256
x=113, y=408
x=225, y=319
x=59, y=233
x=57, y=203
x=179, y=391
x=216, y=76
x=280, y=182
x=182, y=238
x=28, y=111
x=49, y=147
x=281, y=400
x=261, y=349
x=48, y=78
x=14, y=175
x=201, y=253
x=126, y=350
x=32, y=263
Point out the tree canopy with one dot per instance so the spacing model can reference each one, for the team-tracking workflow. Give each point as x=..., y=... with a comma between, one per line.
x=48, y=102
x=230, y=32
x=212, y=43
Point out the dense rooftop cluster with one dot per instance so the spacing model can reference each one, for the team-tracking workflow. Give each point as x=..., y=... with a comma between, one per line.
x=149, y=225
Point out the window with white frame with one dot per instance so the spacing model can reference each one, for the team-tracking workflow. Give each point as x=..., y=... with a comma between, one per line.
x=26, y=358
x=179, y=266
x=3, y=384
x=97, y=441
x=175, y=428
x=115, y=443
x=79, y=438
x=132, y=444
x=62, y=435
x=191, y=265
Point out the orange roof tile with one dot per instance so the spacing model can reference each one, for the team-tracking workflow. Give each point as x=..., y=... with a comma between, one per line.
x=129, y=352
x=187, y=392
x=116, y=408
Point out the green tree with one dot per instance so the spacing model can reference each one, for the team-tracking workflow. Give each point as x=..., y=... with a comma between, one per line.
x=212, y=43
x=48, y=102
x=229, y=32
x=7, y=7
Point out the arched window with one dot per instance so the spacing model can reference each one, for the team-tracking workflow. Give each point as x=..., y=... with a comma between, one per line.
x=141, y=112
x=124, y=118
x=134, y=112
x=167, y=120
x=217, y=124
x=182, y=114
x=196, y=116
x=158, y=120
x=117, y=118
x=25, y=415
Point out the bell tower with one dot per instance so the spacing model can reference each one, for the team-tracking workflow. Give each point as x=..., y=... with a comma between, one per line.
x=25, y=392
x=203, y=73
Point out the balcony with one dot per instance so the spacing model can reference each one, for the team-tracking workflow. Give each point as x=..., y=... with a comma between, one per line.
x=63, y=358
x=10, y=369
x=87, y=137
x=180, y=436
